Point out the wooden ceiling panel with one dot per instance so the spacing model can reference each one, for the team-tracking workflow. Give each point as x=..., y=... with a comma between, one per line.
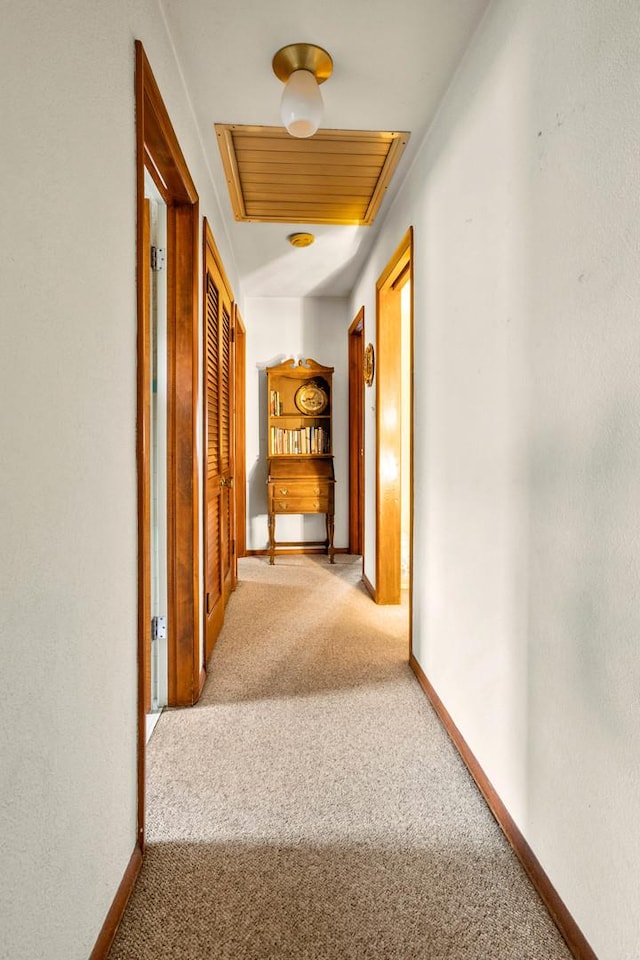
x=336, y=176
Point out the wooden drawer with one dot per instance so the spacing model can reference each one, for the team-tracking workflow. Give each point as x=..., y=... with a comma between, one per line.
x=300, y=505
x=297, y=488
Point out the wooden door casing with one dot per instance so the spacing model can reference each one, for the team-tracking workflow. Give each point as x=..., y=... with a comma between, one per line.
x=356, y=435
x=219, y=500
x=145, y=546
x=239, y=425
x=158, y=151
x=388, y=437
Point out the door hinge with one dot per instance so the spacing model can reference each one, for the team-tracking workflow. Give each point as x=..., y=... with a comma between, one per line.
x=233, y=334
x=208, y=603
x=157, y=258
x=159, y=628
x=233, y=546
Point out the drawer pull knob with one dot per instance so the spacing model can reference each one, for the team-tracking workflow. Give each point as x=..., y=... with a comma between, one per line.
x=317, y=491
x=317, y=506
x=284, y=491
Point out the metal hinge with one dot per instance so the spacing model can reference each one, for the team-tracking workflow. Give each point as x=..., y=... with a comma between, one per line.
x=157, y=258
x=159, y=628
x=233, y=334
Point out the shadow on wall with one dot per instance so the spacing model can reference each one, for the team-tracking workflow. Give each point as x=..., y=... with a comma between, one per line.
x=257, y=478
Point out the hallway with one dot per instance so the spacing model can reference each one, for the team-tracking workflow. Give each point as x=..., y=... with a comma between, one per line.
x=311, y=806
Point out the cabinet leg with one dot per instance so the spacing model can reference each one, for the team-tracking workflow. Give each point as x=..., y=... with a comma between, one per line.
x=272, y=538
x=330, y=549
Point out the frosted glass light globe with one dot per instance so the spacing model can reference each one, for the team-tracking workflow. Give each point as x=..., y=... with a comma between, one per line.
x=301, y=105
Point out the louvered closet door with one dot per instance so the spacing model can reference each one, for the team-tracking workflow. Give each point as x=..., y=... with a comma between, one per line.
x=219, y=499
x=227, y=499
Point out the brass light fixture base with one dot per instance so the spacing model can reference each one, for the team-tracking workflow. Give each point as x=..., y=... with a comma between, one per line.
x=302, y=56
x=300, y=239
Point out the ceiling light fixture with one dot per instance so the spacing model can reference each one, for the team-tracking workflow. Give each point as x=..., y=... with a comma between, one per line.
x=302, y=67
x=301, y=239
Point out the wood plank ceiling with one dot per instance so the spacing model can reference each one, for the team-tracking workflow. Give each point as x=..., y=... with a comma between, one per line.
x=336, y=176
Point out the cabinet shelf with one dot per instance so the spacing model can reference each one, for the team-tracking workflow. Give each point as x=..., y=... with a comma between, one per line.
x=301, y=478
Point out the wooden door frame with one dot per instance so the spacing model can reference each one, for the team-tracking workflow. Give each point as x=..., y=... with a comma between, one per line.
x=240, y=483
x=159, y=152
x=356, y=435
x=388, y=489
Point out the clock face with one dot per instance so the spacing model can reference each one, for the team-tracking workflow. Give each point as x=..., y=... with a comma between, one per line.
x=311, y=398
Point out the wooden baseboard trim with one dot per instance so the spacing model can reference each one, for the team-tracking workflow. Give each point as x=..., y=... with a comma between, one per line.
x=565, y=923
x=117, y=908
x=371, y=590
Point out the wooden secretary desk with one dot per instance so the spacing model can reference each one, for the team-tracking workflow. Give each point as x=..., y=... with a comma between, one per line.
x=300, y=461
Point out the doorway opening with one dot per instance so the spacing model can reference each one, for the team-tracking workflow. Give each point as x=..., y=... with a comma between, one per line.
x=156, y=673
x=160, y=159
x=394, y=412
x=356, y=435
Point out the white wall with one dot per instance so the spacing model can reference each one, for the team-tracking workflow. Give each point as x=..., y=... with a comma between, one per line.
x=278, y=328
x=68, y=508
x=526, y=206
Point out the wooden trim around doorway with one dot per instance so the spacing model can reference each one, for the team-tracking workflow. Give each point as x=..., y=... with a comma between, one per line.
x=241, y=435
x=183, y=480
x=388, y=400
x=157, y=150
x=356, y=435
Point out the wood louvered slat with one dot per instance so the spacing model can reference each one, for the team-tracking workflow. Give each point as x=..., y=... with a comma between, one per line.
x=308, y=213
x=346, y=204
x=225, y=380
x=212, y=378
x=307, y=148
x=311, y=160
x=292, y=167
x=340, y=191
x=263, y=207
x=292, y=185
x=314, y=178
x=349, y=210
x=343, y=173
x=214, y=588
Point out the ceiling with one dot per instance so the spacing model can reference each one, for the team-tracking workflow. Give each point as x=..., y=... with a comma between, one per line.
x=392, y=63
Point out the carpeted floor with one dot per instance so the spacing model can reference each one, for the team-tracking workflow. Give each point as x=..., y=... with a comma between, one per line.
x=312, y=808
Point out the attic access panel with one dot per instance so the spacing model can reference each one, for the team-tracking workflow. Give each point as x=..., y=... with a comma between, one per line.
x=334, y=177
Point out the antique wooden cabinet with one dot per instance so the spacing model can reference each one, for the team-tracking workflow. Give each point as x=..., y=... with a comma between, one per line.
x=300, y=462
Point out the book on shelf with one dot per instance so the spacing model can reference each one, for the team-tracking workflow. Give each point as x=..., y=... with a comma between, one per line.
x=275, y=404
x=309, y=440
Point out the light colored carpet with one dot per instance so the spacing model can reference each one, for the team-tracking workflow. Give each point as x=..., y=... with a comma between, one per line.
x=311, y=806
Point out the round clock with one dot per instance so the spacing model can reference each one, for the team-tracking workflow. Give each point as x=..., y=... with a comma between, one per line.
x=311, y=398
